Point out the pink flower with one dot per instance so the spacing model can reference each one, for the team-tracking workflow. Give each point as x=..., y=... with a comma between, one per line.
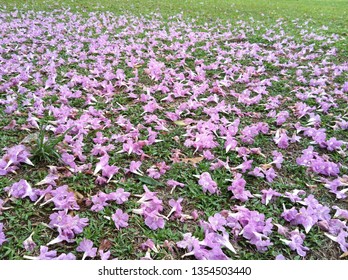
x=109, y=171
x=134, y=168
x=22, y=189
x=120, y=219
x=13, y=157
x=281, y=139
x=119, y=196
x=101, y=164
x=86, y=246
x=153, y=220
x=176, y=207
x=207, y=183
x=267, y=195
x=296, y=242
x=149, y=244
x=29, y=244
x=2, y=234
x=238, y=188
x=217, y=222
x=174, y=184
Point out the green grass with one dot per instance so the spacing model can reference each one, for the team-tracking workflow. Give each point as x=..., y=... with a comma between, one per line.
x=24, y=218
x=323, y=11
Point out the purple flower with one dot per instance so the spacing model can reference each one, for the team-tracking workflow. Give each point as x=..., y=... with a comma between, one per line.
x=280, y=257
x=134, y=167
x=51, y=178
x=282, y=229
x=340, y=239
x=67, y=226
x=324, y=167
x=104, y=255
x=270, y=174
x=149, y=244
x=103, y=162
x=281, y=139
x=207, y=183
x=63, y=199
x=2, y=234
x=86, y=246
x=120, y=219
x=238, y=188
x=153, y=173
x=66, y=257
x=340, y=213
x=99, y=201
x=333, y=144
x=257, y=172
x=22, y=189
x=289, y=214
x=14, y=156
x=277, y=159
x=306, y=217
x=281, y=117
x=189, y=242
x=154, y=220
x=217, y=222
x=109, y=171
x=296, y=242
x=174, y=184
x=294, y=195
x=29, y=244
x=69, y=160
x=176, y=207
x=267, y=195
x=119, y=196
x=45, y=254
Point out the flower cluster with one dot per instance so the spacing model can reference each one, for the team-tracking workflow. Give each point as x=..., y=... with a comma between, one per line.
x=317, y=163
x=67, y=226
x=150, y=208
x=13, y=157
x=207, y=183
x=101, y=199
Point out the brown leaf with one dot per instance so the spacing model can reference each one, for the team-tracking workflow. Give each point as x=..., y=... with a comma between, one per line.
x=193, y=161
x=266, y=166
x=78, y=196
x=105, y=245
x=344, y=255
x=311, y=186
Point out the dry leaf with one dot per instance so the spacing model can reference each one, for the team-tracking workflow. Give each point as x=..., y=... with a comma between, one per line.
x=193, y=161
x=180, y=123
x=266, y=166
x=311, y=186
x=105, y=245
x=344, y=255
x=78, y=196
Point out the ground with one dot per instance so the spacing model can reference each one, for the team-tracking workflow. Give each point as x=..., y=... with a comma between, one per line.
x=211, y=129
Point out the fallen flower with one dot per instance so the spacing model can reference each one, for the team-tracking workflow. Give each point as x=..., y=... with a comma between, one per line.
x=86, y=246
x=120, y=219
x=296, y=242
x=2, y=234
x=207, y=183
x=29, y=244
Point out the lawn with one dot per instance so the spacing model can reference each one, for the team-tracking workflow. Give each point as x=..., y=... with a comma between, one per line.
x=173, y=129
